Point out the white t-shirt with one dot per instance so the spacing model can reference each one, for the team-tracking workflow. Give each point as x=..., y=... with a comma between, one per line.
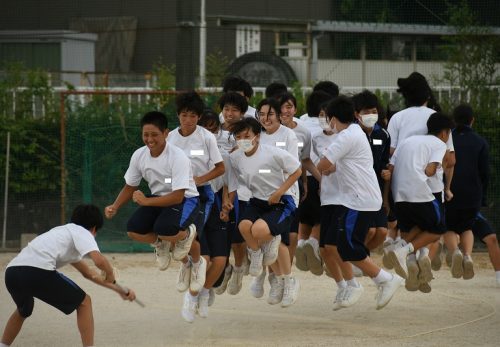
x=200, y=147
x=436, y=182
x=409, y=181
x=312, y=124
x=352, y=155
x=168, y=172
x=57, y=247
x=304, y=141
x=225, y=142
x=264, y=171
x=284, y=138
x=330, y=190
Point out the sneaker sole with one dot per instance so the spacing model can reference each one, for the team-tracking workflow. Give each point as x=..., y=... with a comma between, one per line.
x=425, y=288
x=468, y=270
x=184, y=254
x=437, y=262
x=397, y=266
x=412, y=283
x=314, y=264
x=300, y=259
x=457, y=270
x=387, y=262
x=425, y=275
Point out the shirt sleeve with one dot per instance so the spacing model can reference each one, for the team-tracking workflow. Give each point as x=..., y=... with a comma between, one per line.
x=287, y=162
x=83, y=240
x=437, y=153
x=133, y=176
x=232, y=176
x=449, y=143
x=213, y=149
x=293, y=145
x=393, y=129
x=338, y=148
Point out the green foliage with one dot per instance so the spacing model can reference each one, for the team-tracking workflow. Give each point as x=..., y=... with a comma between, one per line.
x=217, y=64
x=164, y=76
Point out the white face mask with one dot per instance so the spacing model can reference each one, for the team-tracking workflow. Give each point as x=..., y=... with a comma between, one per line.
x=323, y=123
x=246, y=145
x=369, y=120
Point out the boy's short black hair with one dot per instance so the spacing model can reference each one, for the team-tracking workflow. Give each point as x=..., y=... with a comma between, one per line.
x=463, y=115
x=272, y=102
x=245, y=124
x=275, y=89
x=328, y=87
x=317, y=101
x=288, y=97
x=365, y=100
x=237, y=84
x=155, y=118
x=208, y=118
x=341, y=108
x=438, y=122
x=415, y=89
x=87, y=216
x=189, y=101
x=235, y=99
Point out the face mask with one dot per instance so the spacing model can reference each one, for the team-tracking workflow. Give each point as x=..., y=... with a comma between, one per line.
x=369, y=120
x=246, y=145
x=323, y=123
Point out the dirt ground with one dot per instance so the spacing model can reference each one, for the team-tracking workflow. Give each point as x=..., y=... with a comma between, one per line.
x=456, y=313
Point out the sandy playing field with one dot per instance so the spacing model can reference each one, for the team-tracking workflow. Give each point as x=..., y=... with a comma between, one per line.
x=456, y=313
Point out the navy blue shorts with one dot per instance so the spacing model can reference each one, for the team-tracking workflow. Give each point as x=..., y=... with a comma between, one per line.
x=353, y=227
x=25, y=283
x=425, y=215
x=278, y=217
x=330, y=219
x=379, y=219
x=164, y=221
x=310, y=209
x=215, y=240
x=482, y=228
x=239, y=209
x=207, y=198
x=459, y=220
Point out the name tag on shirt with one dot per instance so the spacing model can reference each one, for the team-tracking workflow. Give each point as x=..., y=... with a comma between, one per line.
x=264, y=171
x=301, y=144
x=377, y=141
x=280, y=144
x=197, y=152
x=168, y=180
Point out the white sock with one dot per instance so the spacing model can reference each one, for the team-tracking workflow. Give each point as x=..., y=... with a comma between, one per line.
x=300, y=243
x=238, y=268
x=424, y=251
x=398, y=238
x=383, y=276
x=4, y=345
x=204, y=291
x=388, y=238
x=409, y=247
x=353, y=283
x=193, y=297
x=313, y=241
x=343, y=283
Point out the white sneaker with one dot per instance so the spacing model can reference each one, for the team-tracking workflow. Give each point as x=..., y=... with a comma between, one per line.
x=387, y=289
x=198, y=275
x=398, y=260
x=203, y=305
x=356, y=271
x=256, y=258
x=351, y=295
x=257, y=285
x=211, y=297
x=162, y=253
x=314, y=261
x=412, y=283
x=182, y=247
x=184, y=277
x=276, y=291
x=300, y=258
x=270, y=250
x=291, y=288
x=234, y=284
x=338, y=298
x=189, y=308
x=468, y=267
x=457, y=269
x=227, y=275
x=424, y=263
